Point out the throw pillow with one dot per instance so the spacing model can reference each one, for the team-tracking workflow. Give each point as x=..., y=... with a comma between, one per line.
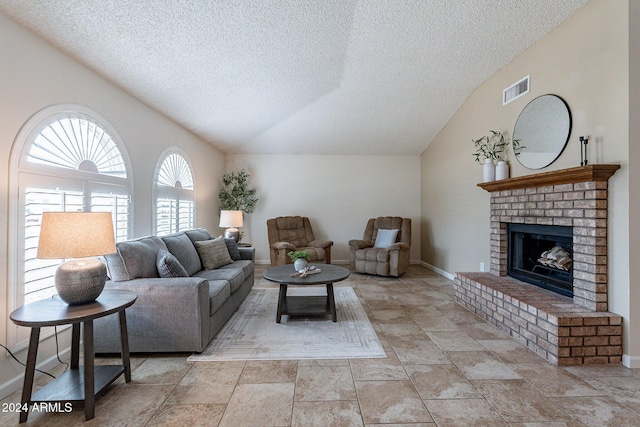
x=232, y=247
x=169, y=266
x=385, y=238
x=213, y=253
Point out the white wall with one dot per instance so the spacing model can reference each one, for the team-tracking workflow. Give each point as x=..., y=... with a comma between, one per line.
x=338, y=194
x=34, y=75
x=586, y=62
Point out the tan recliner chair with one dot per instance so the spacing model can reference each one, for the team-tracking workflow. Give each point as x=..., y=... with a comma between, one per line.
x=294, y=233
x=392, y=260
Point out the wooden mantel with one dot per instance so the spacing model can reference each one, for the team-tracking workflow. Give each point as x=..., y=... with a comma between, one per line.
x=563, y=176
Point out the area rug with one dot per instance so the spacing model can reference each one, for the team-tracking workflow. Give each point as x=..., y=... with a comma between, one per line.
x=253, y=334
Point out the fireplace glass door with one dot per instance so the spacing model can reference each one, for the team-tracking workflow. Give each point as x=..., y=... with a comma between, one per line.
x=542, y=255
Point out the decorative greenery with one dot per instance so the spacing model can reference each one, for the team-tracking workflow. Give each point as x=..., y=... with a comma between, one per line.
x=235, y=194
x=294, y=255
x=493, y=146
x=489, y=146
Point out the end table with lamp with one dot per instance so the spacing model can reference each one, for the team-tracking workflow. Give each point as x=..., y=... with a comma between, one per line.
x=79, y=282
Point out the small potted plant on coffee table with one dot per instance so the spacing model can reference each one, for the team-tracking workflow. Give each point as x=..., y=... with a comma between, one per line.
x=300, y=259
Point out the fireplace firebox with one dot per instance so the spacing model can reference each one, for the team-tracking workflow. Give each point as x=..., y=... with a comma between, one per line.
x=541, y=255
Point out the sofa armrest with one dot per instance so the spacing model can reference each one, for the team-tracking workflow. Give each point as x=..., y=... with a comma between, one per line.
x=359, y=244
x=398, y=246
x=283, y=246
x=321, y=244
x=247, y=253
x=173, y=311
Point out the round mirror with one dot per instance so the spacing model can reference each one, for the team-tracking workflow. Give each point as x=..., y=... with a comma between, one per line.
x=543, y=130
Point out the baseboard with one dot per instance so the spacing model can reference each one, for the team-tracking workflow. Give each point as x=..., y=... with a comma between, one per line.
x=16, y=383
x=438, y=270
x=631, y=361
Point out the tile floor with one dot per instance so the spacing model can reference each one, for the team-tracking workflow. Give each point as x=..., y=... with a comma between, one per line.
x=445, y=367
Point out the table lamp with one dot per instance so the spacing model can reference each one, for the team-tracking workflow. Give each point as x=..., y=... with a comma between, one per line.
x=233, y=220
x=77, y=235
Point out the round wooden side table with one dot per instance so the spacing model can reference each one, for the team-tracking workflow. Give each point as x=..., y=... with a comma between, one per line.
x=74, y=386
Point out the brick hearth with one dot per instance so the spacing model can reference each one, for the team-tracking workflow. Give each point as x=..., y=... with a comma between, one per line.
x=563, y=330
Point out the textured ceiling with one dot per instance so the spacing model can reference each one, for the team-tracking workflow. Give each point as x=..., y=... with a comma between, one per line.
x=296, y=76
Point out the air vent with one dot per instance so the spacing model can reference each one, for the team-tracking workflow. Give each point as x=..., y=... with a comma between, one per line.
x=515, y=91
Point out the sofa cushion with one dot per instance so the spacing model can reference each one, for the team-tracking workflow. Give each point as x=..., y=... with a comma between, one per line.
x=169, y=266
x=385, y=238
x=213, y=253
x=182, y=248
x=235, y=276
x=246, y=266
x=138, y=258
x=219, y=292
x=198, y=234
x=234, y=251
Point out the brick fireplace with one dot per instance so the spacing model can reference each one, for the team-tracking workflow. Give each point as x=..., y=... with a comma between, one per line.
x=563, y=330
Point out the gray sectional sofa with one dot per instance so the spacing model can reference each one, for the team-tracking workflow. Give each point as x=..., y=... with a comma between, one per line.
x=174, y=314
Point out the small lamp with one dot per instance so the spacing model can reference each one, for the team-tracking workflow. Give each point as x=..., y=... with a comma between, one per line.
x=233, y=220
x=77, y=235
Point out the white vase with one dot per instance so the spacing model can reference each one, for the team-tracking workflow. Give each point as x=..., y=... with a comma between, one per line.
x=502, y=170
x=300, y=264
x=488, y=171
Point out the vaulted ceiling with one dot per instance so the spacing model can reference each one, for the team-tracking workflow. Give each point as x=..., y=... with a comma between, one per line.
x=297, y=76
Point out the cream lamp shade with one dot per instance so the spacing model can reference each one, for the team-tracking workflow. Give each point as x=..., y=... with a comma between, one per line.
x=77, y=235
x=232, y=220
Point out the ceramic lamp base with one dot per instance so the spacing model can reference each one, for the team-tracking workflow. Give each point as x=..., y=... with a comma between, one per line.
x=80, y=281
x=232, y=233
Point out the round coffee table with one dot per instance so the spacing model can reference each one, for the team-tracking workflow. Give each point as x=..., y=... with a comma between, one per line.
x=306, y=305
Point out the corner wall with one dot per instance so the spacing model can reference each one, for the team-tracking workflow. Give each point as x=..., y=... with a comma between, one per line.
x=35, y=75
x=584, y=61
x=338, y=194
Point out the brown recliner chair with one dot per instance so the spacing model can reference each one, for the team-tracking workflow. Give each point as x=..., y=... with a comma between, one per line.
x=294, y=233
x=390, y=260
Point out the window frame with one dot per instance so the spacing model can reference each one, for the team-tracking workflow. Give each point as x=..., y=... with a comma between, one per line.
x=22, y=174
x=173, y=193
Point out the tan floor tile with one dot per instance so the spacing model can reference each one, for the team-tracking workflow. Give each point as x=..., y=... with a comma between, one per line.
x=511, y=351
x=324, y=383
x=207, y=383
x=454, y=341
x=129, y=404
x=597, y=411
x=464, y=413
x=391, y=402
x=323, y=362
x=518, y=401
x=188, y=415
x=597, y=371
x=323, y=414
x=391, y=316
x=441, y=382
x=422, y=310
x=553, y=381
x=259, y=405
x=269, y=371
x=624, y=390
x=167, y=370
x=481, y=330
x=382, y=369
x=479, y=365
x=420, y=353
x=435, y=323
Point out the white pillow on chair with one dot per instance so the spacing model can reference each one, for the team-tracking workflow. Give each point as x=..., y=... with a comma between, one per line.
x=385, y=238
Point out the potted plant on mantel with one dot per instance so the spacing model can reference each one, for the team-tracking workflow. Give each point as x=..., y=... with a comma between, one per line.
x=236, y=195
x=489, y=150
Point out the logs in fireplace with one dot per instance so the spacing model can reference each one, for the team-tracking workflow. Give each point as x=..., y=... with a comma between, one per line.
x=541, y=255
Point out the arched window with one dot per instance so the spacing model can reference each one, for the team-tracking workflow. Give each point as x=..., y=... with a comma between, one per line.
x=175, y=199
x=65, y=158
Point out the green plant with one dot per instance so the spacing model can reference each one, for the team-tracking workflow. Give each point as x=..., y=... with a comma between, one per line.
x=489, y=146
x=294, y=255
x=235, y=194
